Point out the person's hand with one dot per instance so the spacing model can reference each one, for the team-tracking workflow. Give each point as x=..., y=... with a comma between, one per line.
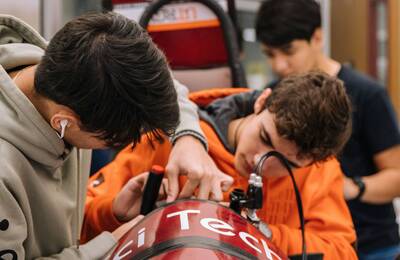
x=121, y=230
x=126, y=204
x=350, y=189
x=188, y=157
x=259, y=104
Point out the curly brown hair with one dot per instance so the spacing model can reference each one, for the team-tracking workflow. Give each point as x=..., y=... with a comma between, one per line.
x=314, y=111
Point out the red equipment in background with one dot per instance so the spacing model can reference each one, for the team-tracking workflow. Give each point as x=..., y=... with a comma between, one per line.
x=197, y=36
x=195, y=229
x=188, y=33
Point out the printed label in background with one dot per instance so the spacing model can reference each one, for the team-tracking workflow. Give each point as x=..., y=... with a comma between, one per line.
x=176, y=16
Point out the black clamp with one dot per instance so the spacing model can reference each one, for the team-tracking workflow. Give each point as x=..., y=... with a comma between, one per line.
x=252, y=200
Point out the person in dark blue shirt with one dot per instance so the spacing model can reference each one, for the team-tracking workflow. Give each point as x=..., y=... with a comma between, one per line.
x=291, y=37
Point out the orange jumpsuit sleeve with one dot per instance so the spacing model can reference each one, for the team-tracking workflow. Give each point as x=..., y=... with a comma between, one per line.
x=329, y=229
x=108, y=181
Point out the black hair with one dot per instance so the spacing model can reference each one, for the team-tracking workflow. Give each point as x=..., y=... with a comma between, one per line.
x=280, y=22
x=106, y=68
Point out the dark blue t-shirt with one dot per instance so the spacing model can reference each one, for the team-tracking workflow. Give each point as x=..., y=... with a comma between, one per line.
x=375, y=129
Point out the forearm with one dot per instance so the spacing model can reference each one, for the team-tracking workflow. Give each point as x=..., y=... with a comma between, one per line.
x=382, y=187
x=189, y=119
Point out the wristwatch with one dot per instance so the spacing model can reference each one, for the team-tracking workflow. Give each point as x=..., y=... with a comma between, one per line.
x=361, y=186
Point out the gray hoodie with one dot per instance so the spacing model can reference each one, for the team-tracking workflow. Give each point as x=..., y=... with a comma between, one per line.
x=42, y=183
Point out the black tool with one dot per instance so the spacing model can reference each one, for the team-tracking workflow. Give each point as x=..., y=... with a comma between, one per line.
x=151, y=189
x=236, y=197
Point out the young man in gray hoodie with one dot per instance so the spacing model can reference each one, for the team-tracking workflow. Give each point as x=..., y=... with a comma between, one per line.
x=101, y=83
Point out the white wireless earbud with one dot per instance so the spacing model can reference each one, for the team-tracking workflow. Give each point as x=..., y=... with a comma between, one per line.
x=63, y=125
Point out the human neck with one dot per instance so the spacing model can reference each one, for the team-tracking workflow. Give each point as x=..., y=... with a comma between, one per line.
x=24, y=80
x=235, y=129
x=328, y=65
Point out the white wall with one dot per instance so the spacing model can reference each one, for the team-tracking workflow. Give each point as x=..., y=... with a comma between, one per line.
x=27, y=10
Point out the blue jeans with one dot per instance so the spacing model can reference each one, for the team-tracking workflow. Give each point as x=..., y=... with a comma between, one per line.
x=387, y=253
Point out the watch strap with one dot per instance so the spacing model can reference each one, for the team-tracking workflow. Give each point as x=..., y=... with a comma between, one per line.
x=361, y=186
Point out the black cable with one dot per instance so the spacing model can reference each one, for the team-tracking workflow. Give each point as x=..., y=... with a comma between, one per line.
x=285, y=163
x=233, y=15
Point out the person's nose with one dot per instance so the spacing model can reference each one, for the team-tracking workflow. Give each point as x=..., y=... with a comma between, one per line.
x=280, y=65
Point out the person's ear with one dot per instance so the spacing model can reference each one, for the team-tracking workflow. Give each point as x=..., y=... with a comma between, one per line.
x=260, y=102
x=317, y=39
x=60, y=122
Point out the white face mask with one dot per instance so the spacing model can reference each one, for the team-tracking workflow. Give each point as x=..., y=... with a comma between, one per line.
x=63, y=125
